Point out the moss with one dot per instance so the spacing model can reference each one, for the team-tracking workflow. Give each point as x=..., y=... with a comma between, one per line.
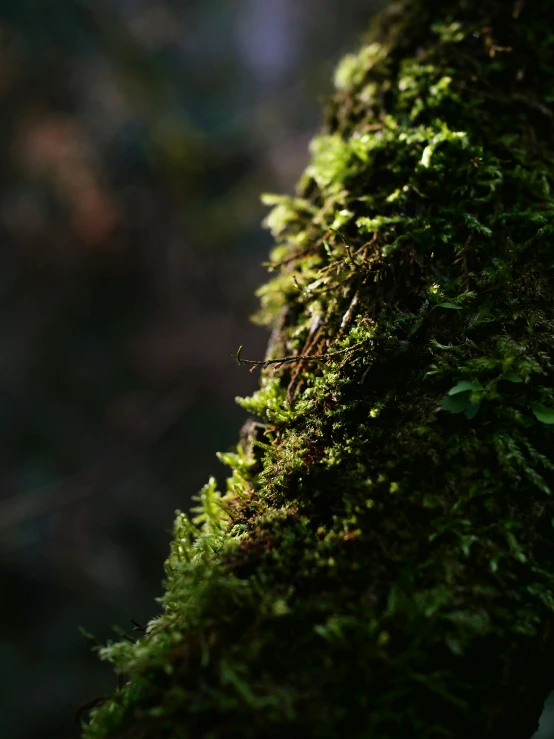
x=382, y=562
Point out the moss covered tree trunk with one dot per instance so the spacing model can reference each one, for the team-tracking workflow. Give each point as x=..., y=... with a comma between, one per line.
x=382, y=563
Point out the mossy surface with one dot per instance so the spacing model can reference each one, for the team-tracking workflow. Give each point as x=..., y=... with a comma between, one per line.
x=382, y=562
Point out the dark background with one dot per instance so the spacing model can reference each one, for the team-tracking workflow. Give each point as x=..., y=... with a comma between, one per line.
x=135, y=139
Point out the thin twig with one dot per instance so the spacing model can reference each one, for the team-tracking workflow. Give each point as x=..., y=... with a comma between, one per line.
x=311, y=341
x=288, y=360
x=287, y=260
x=347, y=245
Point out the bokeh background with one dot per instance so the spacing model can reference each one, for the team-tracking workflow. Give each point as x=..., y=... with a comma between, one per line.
x=135, y=139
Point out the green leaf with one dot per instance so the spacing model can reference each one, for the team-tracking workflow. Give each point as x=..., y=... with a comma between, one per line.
x=452, y=306
x=457, y=404
x=465, y=386
x=460, y=401
x=415, y=327
x=543, y=414
x=471, y=410
x=512, y=377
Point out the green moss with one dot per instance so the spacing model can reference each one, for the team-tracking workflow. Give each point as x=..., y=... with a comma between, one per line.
x=382, y=562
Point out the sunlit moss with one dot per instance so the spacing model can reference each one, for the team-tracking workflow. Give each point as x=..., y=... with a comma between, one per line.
x=381, y=564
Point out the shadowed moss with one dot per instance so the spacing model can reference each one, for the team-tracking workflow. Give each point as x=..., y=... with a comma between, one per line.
x=382, y=562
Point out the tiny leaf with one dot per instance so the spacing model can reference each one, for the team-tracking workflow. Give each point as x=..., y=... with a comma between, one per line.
x=452, y=306
x=543, y=414
x=471, y=410
x=465, y=386
x=512, y=377
x=458, y=404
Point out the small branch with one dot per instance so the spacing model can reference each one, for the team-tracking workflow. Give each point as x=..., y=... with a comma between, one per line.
x=347, y=246
x=288, y=260
x=288, y=360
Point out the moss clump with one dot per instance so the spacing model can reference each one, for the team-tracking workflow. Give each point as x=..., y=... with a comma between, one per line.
x=382, y=563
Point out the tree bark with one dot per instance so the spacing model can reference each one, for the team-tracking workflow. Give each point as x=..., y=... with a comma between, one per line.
x=382, y=563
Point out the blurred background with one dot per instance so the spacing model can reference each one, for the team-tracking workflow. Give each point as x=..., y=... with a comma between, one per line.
x=135, y=139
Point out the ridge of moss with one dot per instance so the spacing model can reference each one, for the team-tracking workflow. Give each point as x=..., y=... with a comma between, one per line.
x=382, y=561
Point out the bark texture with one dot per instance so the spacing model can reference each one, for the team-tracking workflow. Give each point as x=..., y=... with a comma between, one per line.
x=382, y=562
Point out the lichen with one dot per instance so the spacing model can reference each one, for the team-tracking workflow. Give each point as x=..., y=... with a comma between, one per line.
x=382, y=562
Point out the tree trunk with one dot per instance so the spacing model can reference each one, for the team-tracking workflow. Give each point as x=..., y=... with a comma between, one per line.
x=382, y=564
